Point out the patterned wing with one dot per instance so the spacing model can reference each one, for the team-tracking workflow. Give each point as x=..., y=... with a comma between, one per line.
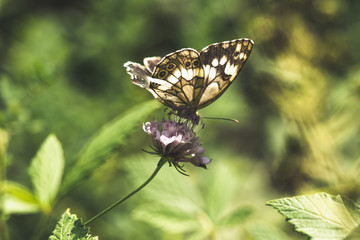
x=222, y=63
x=151, y=62
x=141, y=75
x=179, y=79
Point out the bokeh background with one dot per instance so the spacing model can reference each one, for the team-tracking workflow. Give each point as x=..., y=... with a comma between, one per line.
x=297, y=101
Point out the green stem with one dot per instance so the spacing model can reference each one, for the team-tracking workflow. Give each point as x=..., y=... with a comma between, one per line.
x=160, y=164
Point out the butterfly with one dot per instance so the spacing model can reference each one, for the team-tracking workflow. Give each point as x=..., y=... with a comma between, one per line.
x=189, y=80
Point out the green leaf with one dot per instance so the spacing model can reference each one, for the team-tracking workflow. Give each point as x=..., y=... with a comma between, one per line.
x=260, y=231
x=176, y=204
x=18, y=199
x=69, y=227
x=46, y=171
x=237, y=216
x=103, y=144
x=169, y=220
x=320, y=216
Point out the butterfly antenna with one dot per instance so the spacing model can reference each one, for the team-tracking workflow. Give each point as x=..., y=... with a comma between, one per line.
x=226, y=119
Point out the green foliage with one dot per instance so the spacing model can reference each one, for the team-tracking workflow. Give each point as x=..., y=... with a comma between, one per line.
x=103, y=144
x=320, y=216
x=186, y=205
x=71, y=228
x=297, y=101
x=38, y=60
x=261, y=231
x=46, y=171
x=19, y=200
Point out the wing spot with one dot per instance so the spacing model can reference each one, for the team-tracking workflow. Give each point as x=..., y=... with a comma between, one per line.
x=172, y=79
x=223, y=60
x=238, y=47
x=185, y=74
x=212, y=73
x=170, y=66
x=162, y=74
x=225, y=45
x=177, y=73
x=196, y=63
x=230, y=69
x=206, y=70
x=215, y=62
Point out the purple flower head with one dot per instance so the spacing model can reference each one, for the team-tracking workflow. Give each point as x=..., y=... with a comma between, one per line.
x=176, y=142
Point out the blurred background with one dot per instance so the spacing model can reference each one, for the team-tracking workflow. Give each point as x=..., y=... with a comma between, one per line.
x=297, y=100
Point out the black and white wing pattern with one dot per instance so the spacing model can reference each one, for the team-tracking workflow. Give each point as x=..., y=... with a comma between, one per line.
x=184, y=73
x=222, y=62
x=190, y=80
x=176, y=81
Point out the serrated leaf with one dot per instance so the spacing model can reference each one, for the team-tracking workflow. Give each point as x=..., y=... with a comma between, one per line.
x=46, y=171
x=69, y=227
x=104, y=143
x=320, y=216
x=18, y=199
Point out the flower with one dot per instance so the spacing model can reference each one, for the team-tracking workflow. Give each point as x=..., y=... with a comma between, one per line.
x=176, y=142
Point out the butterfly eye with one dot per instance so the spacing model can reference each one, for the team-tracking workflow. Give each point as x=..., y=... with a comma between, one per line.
x=196, y=63
x=170, y=66
x=187, y=64
x=162, y=73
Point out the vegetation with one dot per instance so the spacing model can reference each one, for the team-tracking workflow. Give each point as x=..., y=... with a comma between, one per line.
x=71, y=121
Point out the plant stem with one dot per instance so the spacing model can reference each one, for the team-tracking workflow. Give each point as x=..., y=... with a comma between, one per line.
x=160, y=164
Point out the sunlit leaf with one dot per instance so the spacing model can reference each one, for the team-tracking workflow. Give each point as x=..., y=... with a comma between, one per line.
x=18, y=199
x=320, y=216
x=69, y=227
x=178, y=204
x=104, y=143
x=46, y=171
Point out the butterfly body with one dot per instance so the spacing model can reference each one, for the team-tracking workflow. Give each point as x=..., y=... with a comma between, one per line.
x=189, y=80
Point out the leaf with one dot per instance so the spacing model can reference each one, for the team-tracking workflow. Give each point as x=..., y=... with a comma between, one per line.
x=69, y=227
x=237, y=216
x=169, y=220
x=176, y=204
x=104, y=143
x=18, y=199
x=260, y=231
x=320, y=216
x=46, y=171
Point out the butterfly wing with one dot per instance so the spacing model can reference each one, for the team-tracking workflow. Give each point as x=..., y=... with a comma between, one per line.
x=151, y=62
x=222, y=63
x=180, y=79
